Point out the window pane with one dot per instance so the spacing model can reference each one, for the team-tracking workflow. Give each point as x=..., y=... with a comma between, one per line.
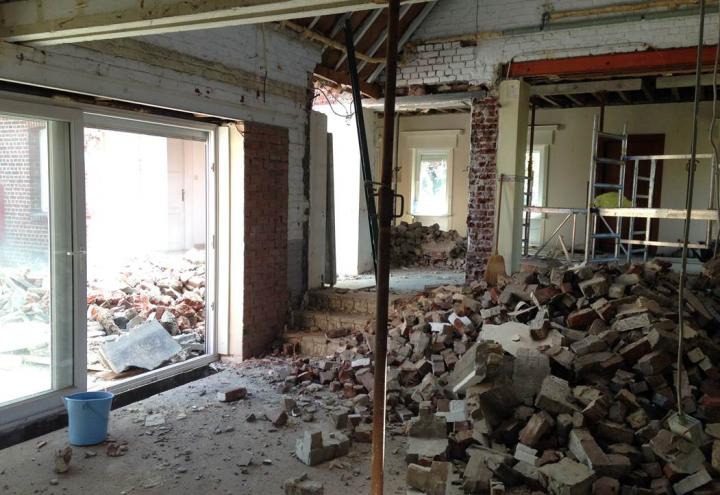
x=146, y=234
x=431, y=188
x=25, y=322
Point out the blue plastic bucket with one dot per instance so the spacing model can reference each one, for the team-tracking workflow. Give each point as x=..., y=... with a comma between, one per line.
x=88, y=415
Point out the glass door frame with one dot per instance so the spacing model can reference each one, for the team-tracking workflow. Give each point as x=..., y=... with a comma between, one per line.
x=97, y=117
x=39, y=407
x=72, y=201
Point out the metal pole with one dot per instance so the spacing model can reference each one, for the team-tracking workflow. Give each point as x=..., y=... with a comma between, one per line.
x=688, y=208
x=383, y=271
x=362, y=142
x=589, y=231
x=528, y=191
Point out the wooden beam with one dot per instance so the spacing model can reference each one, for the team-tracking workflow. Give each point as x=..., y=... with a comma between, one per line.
x=648, y=93
x=586, y=87
x=157, y=56
x=50, y=22
x=414, y=25
x=360, y=33
x=550, y=100
x=648, y=61
x=338, y=77
x=573, y=99
x=380, y=41
x=327, y=42
x=669, y=82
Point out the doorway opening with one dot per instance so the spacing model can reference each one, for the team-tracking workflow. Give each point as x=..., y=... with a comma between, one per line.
x=146, y=220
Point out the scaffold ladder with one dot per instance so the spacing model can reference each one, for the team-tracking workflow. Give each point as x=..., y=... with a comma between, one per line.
x=596, y=188
x=648, y=200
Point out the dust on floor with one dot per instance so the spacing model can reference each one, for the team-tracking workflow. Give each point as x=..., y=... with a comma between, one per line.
x=405, y=280
x=200, y=444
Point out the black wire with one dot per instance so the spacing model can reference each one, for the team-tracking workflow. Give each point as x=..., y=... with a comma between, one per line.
x=347, y=114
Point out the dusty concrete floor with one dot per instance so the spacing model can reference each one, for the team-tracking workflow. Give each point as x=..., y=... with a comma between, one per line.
x=406, y=280
x=198, y=448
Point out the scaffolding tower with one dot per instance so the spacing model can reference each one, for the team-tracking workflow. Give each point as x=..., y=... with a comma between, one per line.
x=641, y=210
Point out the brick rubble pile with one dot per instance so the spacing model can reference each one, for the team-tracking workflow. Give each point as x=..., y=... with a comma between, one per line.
x=416, y=245
x=170, y=291
x=557, y=381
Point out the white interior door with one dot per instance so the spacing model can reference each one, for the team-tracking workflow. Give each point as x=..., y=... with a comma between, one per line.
x=176, y=203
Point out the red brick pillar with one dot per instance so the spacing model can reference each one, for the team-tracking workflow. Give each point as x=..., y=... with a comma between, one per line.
x=482, y=185
x=266, y=293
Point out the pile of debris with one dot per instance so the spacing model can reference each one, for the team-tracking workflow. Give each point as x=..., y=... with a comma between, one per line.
x=416, y=245
x=24, y=296
x=558, y=381
x=167, y=293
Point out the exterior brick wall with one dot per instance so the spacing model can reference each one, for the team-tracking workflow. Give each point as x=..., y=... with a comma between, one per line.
x=23, y=226
x=266, y=294
x=482, y=186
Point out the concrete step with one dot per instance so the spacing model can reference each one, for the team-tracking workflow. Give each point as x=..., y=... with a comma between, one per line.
x=320, y=320
x=344, y=301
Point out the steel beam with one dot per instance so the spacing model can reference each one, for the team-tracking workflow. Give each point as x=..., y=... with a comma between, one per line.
x=615, y=63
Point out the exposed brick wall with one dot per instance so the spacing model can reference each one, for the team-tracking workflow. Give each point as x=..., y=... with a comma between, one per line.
x=266, y=293
x=24, y=236
x=482, y=185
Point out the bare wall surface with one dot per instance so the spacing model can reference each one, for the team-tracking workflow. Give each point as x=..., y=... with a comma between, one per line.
x=457, y=219
x=569, y=158
x=437, y=63
x=264, y=56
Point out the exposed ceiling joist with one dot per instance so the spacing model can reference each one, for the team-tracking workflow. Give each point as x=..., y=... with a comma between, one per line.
x=648, y=93
x=49, y=22
x=586, y=87
x=381, y=39
x=340, y=77
x=360, y=33
x=414, y=25
x=550, y=100
x=338, y=26
x=573, y=99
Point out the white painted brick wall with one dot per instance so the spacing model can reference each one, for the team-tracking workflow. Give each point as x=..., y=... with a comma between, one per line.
x=438, y=63
x=253, y=48
x=263, y=49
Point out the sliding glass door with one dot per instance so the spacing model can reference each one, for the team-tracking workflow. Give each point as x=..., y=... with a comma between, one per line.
x=40, y=257
x=129, y=202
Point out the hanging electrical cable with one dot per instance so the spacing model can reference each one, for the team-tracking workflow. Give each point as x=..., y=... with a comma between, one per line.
x=347, y=113
x=688, y=211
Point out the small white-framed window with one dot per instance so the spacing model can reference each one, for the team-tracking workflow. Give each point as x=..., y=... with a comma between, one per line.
x=539, y=174
x=432, y=182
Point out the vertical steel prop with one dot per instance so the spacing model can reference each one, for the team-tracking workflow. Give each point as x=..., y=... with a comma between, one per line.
x=383, y=270
x=365, y=167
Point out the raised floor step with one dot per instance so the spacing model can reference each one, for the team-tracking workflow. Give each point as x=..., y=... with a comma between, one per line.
x=344, y=301
x=321, y=320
